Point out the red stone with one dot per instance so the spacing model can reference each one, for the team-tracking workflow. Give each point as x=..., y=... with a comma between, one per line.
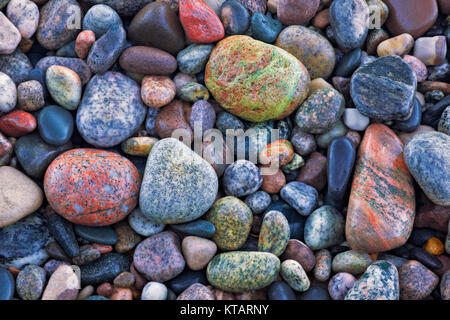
x=102, y=248
x=172, y=117
x=105, y=289
x=92, y=187
x=17, y=123
x=200, y=22
x=381, y=208
x=433, y=216
x=300, y=252
x=83, y=43
x=314, y=172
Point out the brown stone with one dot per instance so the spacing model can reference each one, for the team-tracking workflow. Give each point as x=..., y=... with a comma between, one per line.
x=300, y=252
x=434, y=85
x=296, y=12
x=273, y=183
x=322, y=19
x=124, y=280
x=416, y=281
x=171, y=117
x=444, y=6
x=432, y=216
x=148, y=60
x=198, y=251
x=140, y=280
x=127, y=238
x=418, y=66
x=413, y=16
x=314, y=172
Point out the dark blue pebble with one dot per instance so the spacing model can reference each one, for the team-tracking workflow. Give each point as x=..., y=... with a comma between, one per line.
x=315, y=293
x=235, y=17
x=38, y=75
x=186, y=279
x=432, y=116
x=348, y=63
x=427, y=259
x=419, y=236
x=62, y=231
x=412, y=123
x=102, y=235
x=55, y=125
x=6, y=284
x=105, y=268
x=265, y=28
x=200, y=228
x=280, y=290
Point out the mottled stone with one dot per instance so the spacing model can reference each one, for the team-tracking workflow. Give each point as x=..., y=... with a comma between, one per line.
x=431, y=50
x=104, y=269
x=324, y=227
x=445, y=286
x=375, y=37
x=232, y=220
x=444, y=122
x=142, y=225
x=427, y=156
x=99, y=18
x=351, y=261
x=77, y=65
x=198, y=252
x=273, y=182
x=63, y=284
x=197, y=291
x=123, y=8
x=193, y=92
x=83, y=43
x=322, y=269
x=193, y=58
x=16, y=65
x=64, y=86
x=265, y=28
x=398, y=45
x=8, y=95
x=159, y=257
x=338, y=130
x=127, y=239
x=300, y=252
x=292, y=272
x=314, y=172
x=242, y=271
x=157, y=91
x=296, y=12
x=300, y=196
x=274, y=234
x=173, y=118
x=204, y=116
x=30, y=95
x=9, y=34
x=416, y=281
x=241, y=178
x=17, y=123
x=88, y=253
x=251, y=84
x=340, y=284
x=30, y=282
x=379, y=282
x=235, y=17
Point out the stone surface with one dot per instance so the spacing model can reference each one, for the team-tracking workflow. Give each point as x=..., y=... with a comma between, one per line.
x=104, y=269
x=101, y=235
x=30, y=95
x=16, y=65
x=235, y=17
x=300, y=196
x=198, y=252
x=292, y=272
x=30, y=282
x=264, y=28
x=123, y=8
x=197, y=291
x=55, y=125
x=351, y=261
x=99, y=18
x=8, y=96
x=398, y=45
x=9, y=34
x=340, y=284
x=431, y=51
x=24, y=14
x=64, y=86
x=274, y=234
x=157, y=91
x=324, y=228
x=322, y=269
x=241, y=178
x=416, y=281
x=314, y=172
x=255, y=84
x=77, y=65
x=381, y=208
x=63, y=284
x=300, y=252
x=296, y=12
x=147, y=60
x=17, y=123
x=7, y=284
x=154, y=291
x=142, y=225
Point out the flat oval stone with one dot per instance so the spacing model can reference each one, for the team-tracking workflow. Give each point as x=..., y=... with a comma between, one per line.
x=379, y=282
x=24, y=14
x=300, y=252
x=8, y=96
x=398, y=45
x=30, y=282
x=111, y=110
x=55, y=125
x=312, y=49
x=232, y=220
x=157, y=25
x=154, y=291
x=324, y=228
x=6, y=284
x=102, y=235
x=341, y=158
x=157, y=91
x=77, y=65
x=16, y=65
x=64, y=86
x=123, y=8
x=320, y=111
x=381, y=208
x=241, y=178
x=35, y=155
x=350, y=22
x=104, y=269
x=84, y=42
x=99, y=18
x=178, y=185
x=105, y=191
x=265, y=28
x=57, y=25
x=300, y=196
x=274, y=234
x=280, y=290
x=242, y=271
x=235, y=17
x=351, y=261
x=245, y=86
x=427, y=157
x=199, y=228
x=292, y=272
x=9, y=34
x=142, y=225
x=17, y=123
x=159, y=257
x=147, y=60
x=193, y=58
x=384, y=89
x=23, y=242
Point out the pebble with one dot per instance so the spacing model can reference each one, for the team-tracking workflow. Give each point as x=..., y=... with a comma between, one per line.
x=382, y=95
x=77, y=65
x=280, y=290
x=193, y=58
x=434, y=246
x=431, y=50
x=416, y=281
x=348, y=63
x=265, y=28
x=241, y=178
x=239, y=271
x=84, y=43
x=88, y=253
x=121, y=294
x=17, y=123
x=159, y=257
x=6, y=147
x=444, y=122
x=296, y=12
x=16, y=65
x=188, y=277
x=30, y=282
x=254, y=5
x=55, y=125
x=300, y=252
x=157, y=91
x=274, y=234
x=62, y=231
x=232, y=220
x=111, y=110
x=352, y=262
x=350, y=22
x=197, y=291
x=315, y=292
x=172, y=117
x=142, y=225
x=235, y=17
x=253, y=102
x=63, y=284
x=204, y=116
x=379, y=282
x=322, y=269
x=445, y=286
x=102, y=235
x=104, y=202
x=292, y=272
x=187, y=195
x=154, y=291
x=20, y=196
x=193, y=92
x=124, y=280
x=200, y=22
x=340, y=284
x=338, y=130
x=147, y=60
x=9, y=34
x=127, y=239
x=320, y=111
x=324, y=228
x=104, y=269
x=314, y=172
x=6, y=284
x=432, y=216
x=273, y=183
x=300, y=196
x=200, y=228
x=24, y=14
x=198, y=252
x=30, y=95
x=138, y=146
x=99, y=18
x=85, y=293
x=354, y=120
x=398, y=45
x=8, y=96
x=157, y=25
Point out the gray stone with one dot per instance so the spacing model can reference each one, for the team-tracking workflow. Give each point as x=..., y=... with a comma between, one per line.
x=300, y=196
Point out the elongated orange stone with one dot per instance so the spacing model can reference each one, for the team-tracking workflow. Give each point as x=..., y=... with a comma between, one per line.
x=381, y=208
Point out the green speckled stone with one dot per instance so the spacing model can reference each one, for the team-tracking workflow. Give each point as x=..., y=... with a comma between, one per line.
x=337, y=130
x=351, y=261
x=296, y=163
x=193, y=92
x=379, y=282
x=232, y=219
x=292, y=272
x=324, y=228
x=193, y=58
x=312, y=49
x=104, y=269
x=274, y=234
x=254, y=80
x=30, y=282
x=320, y=111
x=103, y=235
x=64, y=86
x=240, y=271
x=178, y=185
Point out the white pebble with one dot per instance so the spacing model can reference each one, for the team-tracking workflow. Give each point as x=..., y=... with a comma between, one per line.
x=354, y=120
x=154, y=291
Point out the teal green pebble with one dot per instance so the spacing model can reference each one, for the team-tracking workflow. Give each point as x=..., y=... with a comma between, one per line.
x=320, y=111
x=55, y=125
x=241, y=271
x=351, y=261
x=97, y=298
x=349, y=62
x=6, y=284
x=200, y=228
x=338, y=130
x=274, y=234
x=324, y=227
x=379, y=282
x=294, y=274
x=193, y=58
x=102, y=235
x=193, y=92
x=265, y=28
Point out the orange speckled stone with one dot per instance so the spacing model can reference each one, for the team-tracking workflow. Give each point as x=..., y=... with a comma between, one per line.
x=280, y=152
x=381, y=208
x=157, y=91
x=92, y=187
x=434, y=246
x=83, y=43
x=121, y=294
x=200, y=22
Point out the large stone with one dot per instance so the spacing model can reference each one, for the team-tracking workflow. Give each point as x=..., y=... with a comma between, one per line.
x=24, y=14
x=254, y=80
x=62, y=285
x=123, y=7
x=381, y=208
x=9, y=35
x=178, y=185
